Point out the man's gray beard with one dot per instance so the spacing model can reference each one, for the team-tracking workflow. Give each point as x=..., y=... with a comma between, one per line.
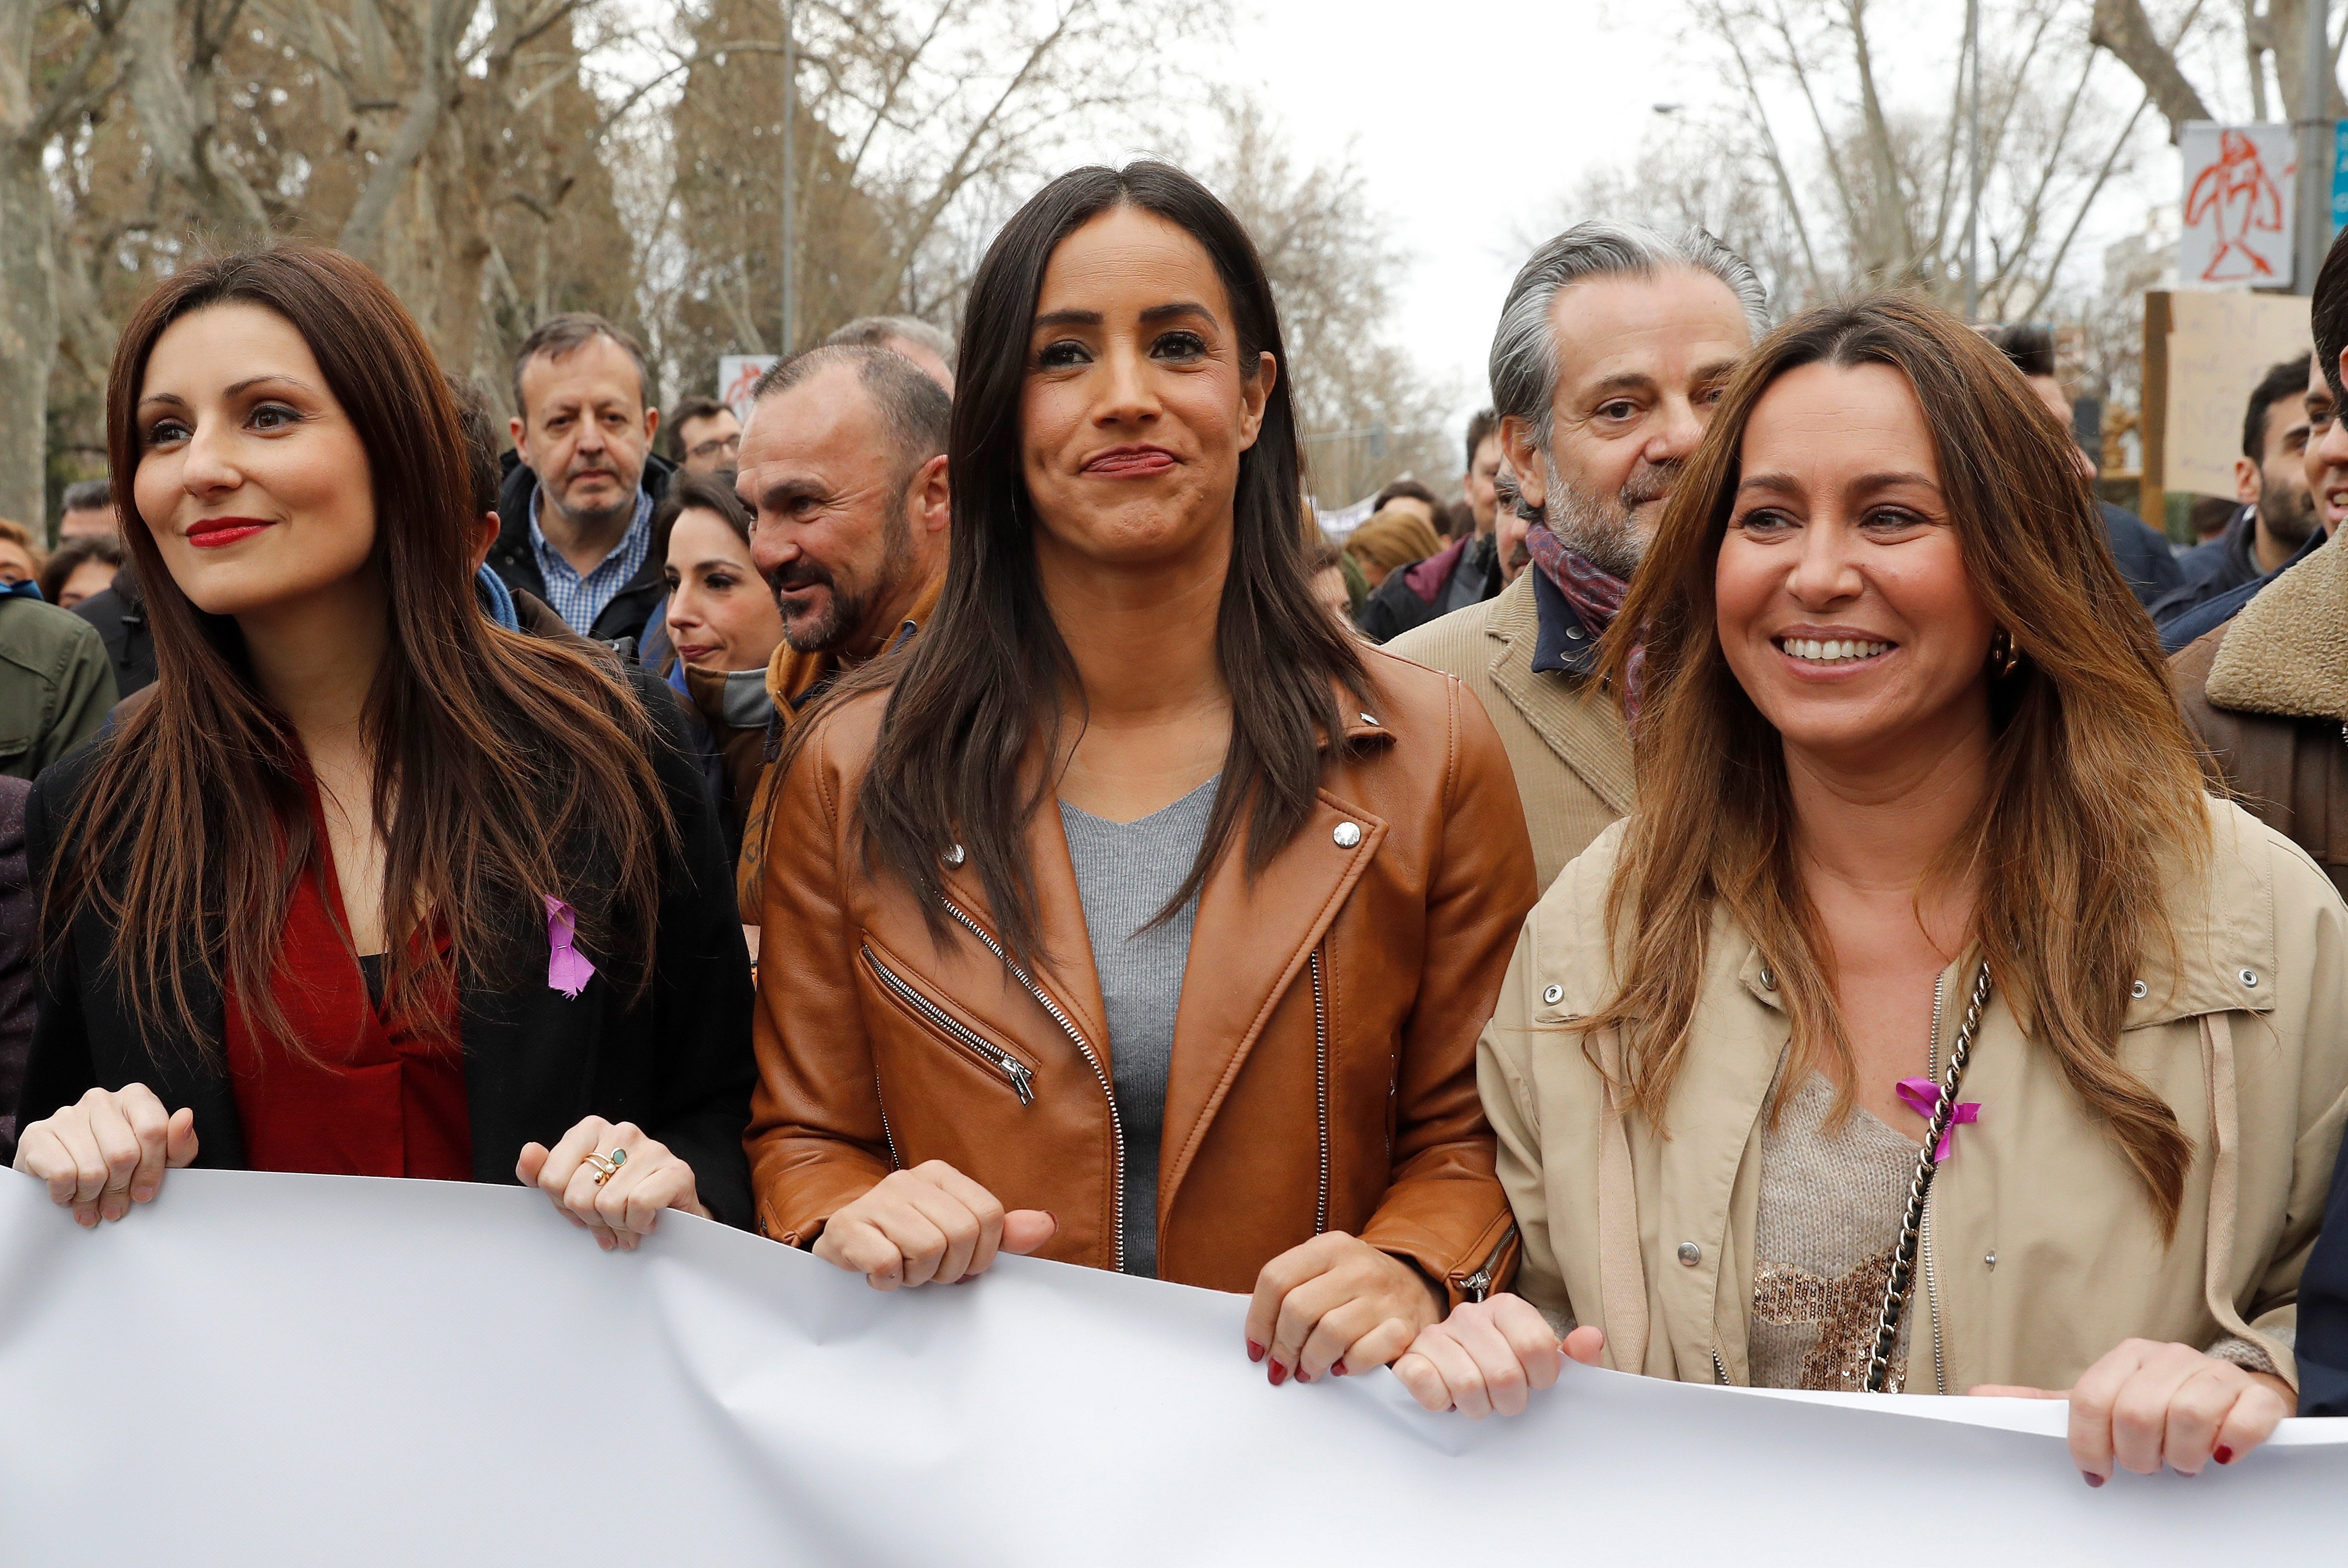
x=1598, y=528
x=843, y=615
x=2293, y=521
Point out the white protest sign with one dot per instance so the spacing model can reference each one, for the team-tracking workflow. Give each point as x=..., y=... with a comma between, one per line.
x=737, y=374
x=301, y=1369
x=2239, y=199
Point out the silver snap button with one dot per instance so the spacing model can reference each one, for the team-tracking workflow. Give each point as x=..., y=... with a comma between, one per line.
x=953, y=855
x=1370, y=718
x=1690, y=1253
x=2250, y=978
x=1348, y=835
x=1768, y=980
x=2139, y=990
x=1574, y=631
x=1553, y=994
x=1991, y=1260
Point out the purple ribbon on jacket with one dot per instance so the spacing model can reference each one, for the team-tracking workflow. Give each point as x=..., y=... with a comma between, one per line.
x=1922, y=1095
x=568, y=970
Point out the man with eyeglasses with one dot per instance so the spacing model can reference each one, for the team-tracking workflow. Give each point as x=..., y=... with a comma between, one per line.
x=703, y=436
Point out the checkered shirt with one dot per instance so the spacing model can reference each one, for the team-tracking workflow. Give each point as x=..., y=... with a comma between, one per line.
x=578, y=598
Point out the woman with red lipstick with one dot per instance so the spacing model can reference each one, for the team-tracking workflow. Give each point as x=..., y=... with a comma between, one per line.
x=364, y=884
x=1926, y=1026
x=1141, y=917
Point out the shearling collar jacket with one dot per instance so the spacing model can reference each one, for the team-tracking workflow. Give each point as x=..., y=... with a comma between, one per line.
x=1323, y=1072
x=2042, y=1251
x=2267, y=694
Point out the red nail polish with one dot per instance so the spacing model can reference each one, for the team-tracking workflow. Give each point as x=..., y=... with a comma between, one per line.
x=1256, y=1351
x=2091, y=1478
x=1302, y=1376
x=1278, y=1374
x=2223, y=1454
x=1338, y=1370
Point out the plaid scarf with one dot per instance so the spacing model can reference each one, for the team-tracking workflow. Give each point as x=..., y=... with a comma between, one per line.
x=1595, y=593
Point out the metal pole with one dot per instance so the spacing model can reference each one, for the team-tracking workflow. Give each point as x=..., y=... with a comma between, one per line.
x=1973, y=158
x=2315, y=155
x=790, y=180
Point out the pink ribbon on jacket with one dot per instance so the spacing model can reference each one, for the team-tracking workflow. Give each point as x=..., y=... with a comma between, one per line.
x=1922, y=1095
x=568, y=970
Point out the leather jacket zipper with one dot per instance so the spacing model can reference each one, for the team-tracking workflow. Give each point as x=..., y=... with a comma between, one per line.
x=1477, y=1287
x=887, y=1137
x=1321, y=1086
x=1719, y=1368
x=1002, y=1063
x=1109, y=1091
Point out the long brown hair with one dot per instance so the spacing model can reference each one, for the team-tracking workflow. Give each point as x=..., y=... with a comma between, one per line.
x=2093, y=797
x=978, y=695
x=502, y=763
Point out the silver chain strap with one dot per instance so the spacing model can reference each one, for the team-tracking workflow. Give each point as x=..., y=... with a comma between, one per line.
x=1902, y=1281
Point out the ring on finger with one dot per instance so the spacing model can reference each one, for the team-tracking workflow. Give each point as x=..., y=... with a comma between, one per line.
x=607, y=1165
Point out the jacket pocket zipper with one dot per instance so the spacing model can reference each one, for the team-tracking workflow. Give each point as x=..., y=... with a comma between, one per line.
x=1002, y=1063
x=1477, y=1287
x=1108, y=1092
x=1321, y=1086
x=1719, y=1368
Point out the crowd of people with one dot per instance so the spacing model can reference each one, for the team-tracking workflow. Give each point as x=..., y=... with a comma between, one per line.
x=1777, y=885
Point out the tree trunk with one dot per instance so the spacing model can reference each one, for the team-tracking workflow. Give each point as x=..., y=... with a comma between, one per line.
x=2122, y=27
x=172, y=90
x=28, y=299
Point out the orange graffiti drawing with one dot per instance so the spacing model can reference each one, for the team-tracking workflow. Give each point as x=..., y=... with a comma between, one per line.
x=2238, y=196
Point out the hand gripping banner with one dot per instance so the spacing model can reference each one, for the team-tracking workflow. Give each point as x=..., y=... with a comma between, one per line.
x=262, y=1370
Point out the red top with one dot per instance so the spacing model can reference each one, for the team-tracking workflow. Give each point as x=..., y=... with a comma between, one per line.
x=376, y=1096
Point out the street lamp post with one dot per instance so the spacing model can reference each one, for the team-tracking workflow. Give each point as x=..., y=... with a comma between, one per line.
x=790, y=179
x=2316, y=134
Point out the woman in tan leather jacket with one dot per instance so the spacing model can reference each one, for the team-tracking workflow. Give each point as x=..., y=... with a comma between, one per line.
x=1135, y=915
x=1922, y=894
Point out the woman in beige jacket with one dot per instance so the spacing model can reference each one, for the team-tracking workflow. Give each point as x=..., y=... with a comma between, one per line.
x=1918, y=826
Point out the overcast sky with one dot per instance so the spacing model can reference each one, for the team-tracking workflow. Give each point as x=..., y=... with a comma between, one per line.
x=1466, y=118
x=1470, y=118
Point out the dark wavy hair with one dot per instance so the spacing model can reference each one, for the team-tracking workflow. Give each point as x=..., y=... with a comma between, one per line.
x=976, y=699
x=502, y=763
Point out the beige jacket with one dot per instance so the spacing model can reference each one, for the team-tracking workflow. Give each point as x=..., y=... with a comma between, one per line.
x=2041, y=1252
x=1566, y=741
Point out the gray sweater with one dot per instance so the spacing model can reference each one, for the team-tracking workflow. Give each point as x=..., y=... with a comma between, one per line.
x=1125, y=874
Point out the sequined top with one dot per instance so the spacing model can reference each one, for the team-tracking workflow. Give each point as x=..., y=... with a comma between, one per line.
x=1831, y=1203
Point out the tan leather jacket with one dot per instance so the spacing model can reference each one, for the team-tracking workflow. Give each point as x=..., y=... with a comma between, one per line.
x=2039, y=1251
x=1323, y=1064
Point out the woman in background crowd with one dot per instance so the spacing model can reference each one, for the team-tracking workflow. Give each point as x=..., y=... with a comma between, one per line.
x=723, y=626
x=1138, y=915
x=1390, y=540
x=1899, y=724
x=1324, y=566
x=20, y=558
x=368, y=885
x=80, y=568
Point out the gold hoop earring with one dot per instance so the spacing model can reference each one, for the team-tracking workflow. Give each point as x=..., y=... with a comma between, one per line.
x=2005, y=659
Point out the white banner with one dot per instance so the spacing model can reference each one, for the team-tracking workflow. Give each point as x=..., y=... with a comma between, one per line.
x=293, y=1370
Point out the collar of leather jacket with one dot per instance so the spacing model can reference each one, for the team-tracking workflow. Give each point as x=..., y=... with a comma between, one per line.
x=2285, y=653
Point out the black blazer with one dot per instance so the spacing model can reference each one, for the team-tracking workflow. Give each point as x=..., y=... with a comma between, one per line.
x=675, y=1061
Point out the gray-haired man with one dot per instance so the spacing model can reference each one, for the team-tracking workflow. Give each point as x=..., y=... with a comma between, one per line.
x=1613, y=344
